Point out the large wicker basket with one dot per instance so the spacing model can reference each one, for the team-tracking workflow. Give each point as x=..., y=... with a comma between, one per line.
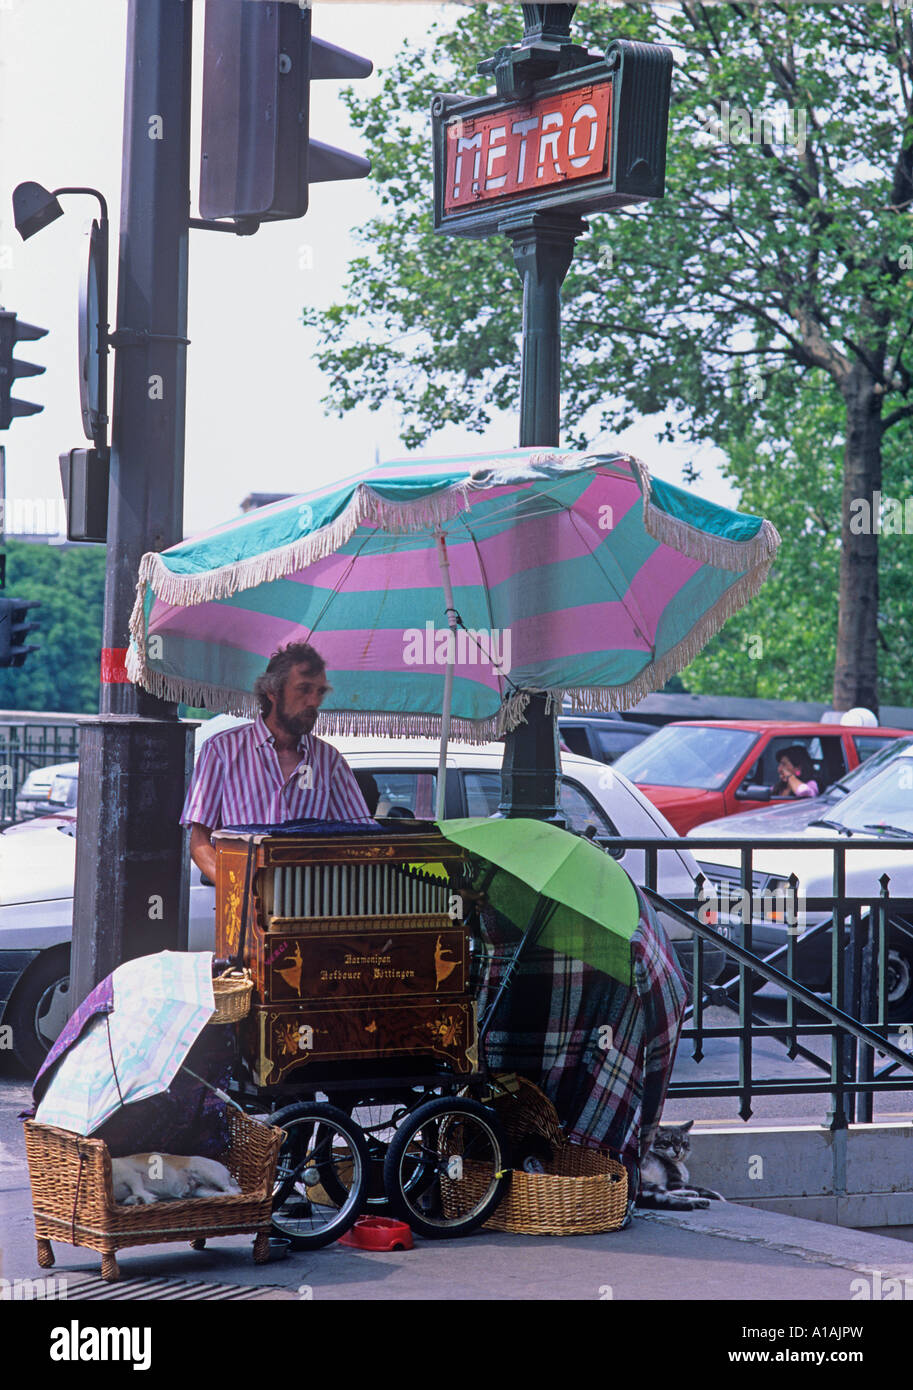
x=582, y=1191
x=73, y=1197
x=232, y=990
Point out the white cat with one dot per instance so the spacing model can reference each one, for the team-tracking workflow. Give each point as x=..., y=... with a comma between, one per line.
x=143, y=1178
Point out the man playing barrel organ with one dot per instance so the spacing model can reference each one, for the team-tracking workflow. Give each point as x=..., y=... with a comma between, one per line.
x=273, y=770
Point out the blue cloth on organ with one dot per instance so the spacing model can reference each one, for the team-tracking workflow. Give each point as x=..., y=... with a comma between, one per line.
x=309, y=827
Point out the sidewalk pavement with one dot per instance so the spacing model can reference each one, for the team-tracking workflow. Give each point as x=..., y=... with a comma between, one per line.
x=727, y=1253
x=723, y=1254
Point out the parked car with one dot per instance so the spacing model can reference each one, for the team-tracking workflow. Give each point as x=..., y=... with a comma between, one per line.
x=47, y=790
x=602, y=736
x=698, y=770
x=783, y=818
x=36, y=870
x=881, y=807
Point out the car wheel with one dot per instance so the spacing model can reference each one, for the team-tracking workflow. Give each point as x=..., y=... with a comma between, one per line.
x=38, y=1008
x=900, y=979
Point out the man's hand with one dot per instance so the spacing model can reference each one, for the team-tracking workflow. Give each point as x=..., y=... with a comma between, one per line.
x=201, y=850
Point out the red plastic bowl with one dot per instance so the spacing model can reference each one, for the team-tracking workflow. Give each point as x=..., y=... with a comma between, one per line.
x=378, y=1233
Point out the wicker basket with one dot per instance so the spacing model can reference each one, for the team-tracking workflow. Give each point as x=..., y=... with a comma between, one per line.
x=73, y=1197
x=582, y=1191
x=523, y=1109
x=232, y=990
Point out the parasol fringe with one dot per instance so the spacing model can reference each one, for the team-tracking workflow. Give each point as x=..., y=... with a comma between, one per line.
x=697, y=544
x=351, y=723
x=654, y=676
x=185, y=590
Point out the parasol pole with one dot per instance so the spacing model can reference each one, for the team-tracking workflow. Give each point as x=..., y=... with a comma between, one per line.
x=444, y=563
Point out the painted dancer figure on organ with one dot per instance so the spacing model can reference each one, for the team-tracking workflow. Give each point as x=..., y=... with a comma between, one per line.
x=274, y=770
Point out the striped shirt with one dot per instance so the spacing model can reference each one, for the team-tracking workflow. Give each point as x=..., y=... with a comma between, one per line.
x=238, y=781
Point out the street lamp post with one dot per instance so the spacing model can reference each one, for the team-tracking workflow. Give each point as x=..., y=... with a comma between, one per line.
x=543, y=248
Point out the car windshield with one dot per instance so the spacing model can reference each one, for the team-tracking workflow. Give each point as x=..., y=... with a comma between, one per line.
x=883, y=805
x=687, y=756
x=863, y=773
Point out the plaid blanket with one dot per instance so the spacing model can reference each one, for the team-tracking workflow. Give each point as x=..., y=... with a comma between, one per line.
x=600, y=1051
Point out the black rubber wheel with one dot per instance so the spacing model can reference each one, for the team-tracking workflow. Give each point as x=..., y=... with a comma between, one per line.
x=447, y=1169
x=377, y=1118
x=899, y=971
x=36, y=1012
x=321, y=1175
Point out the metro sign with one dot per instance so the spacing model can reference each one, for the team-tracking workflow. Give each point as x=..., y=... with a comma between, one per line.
x=589, y=140
x=538, y=145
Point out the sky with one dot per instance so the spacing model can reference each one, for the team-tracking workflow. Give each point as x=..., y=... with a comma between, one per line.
x=255, y=421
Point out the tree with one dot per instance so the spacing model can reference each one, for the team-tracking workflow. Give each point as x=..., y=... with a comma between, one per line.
x=780, y=257
x=782, y=644
x=70, y=584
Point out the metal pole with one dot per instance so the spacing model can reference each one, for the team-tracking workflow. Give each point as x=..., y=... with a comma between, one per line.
x=131, y=864
x=444, y=563
x=543, y=247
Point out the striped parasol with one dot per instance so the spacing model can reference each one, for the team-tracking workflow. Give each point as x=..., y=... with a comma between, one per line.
x=500, y=574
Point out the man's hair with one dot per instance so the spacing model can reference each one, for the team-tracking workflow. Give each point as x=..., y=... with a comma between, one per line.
x=280, y=664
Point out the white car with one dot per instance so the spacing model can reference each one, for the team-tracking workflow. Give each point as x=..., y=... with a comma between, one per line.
x=47, y=790
x=37, y=869
x=882, y=808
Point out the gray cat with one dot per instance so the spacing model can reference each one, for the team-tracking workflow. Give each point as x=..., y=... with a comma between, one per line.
x=664, y=1181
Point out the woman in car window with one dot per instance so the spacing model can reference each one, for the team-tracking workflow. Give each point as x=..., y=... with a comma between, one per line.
x=796, y=773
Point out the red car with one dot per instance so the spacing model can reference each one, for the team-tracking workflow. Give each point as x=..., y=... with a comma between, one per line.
x=698, y=769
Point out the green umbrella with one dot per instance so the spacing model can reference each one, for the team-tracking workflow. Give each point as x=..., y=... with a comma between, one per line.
x=561, y=889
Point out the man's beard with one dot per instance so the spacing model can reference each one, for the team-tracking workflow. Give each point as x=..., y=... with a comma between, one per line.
x=294, y=725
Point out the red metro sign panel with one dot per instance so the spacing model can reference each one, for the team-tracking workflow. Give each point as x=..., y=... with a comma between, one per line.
x=528, y=147
x=591, y=139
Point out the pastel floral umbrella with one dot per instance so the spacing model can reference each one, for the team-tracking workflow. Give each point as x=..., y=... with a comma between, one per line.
x=132, y=1051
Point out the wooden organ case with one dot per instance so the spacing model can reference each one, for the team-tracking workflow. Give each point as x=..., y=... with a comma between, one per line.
x=356, y=954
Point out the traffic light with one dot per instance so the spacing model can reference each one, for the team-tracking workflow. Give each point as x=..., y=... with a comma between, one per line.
x=257, y=158
x=14, y=625
x=13, y=331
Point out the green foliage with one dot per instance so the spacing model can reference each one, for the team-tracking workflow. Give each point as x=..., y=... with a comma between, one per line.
x=758, y=255
x=774, y=276
x=782, y=645
x=70, y=584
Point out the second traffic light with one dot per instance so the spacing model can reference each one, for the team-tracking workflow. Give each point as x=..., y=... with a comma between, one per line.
x=14, y=625
x=13, y=331
x=257, y=158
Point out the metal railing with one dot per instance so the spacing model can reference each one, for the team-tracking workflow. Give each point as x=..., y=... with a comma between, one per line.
x=26, y=746
x=856, y=1012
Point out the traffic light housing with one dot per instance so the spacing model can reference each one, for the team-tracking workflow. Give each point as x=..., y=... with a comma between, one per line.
x=14, y=625
x=85, y=477
x=257, y=159
x=13, y=331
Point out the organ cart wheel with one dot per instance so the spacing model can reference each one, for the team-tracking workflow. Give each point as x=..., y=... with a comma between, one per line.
x=447, y=1168
x=378, y=1116
x=321, y=1175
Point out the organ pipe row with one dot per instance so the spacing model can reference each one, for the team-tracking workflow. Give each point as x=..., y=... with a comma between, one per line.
x=352, y=890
